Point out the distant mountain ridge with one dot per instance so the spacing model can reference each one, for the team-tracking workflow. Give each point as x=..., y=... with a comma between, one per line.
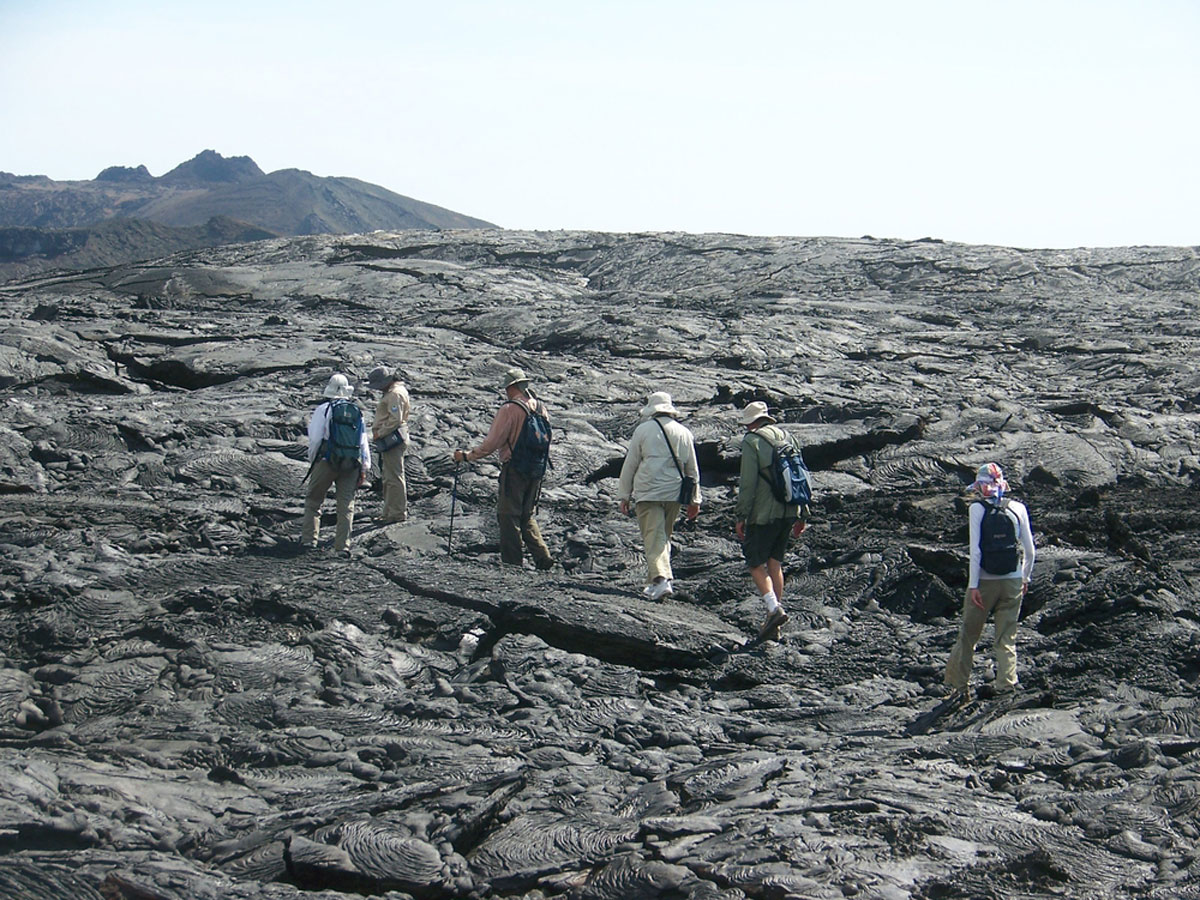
x=234, y=191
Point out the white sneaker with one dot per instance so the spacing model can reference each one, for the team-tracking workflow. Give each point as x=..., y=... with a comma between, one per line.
x=659, y=589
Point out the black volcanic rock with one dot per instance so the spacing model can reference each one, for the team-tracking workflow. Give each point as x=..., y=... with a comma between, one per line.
x=26, y=251
x=23, y=243
x=191, y=706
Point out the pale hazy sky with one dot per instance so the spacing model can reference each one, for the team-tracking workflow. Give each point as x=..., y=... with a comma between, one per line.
x=1034, y=124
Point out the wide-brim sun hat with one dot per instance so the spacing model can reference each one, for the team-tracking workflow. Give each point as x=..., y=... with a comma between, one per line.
x=338, y=388
x=380, y=377
x=514, y=376
x=658, y=404
x=753, y=412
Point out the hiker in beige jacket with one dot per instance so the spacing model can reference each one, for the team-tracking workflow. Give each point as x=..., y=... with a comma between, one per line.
x=662, y=453
x=389, y=430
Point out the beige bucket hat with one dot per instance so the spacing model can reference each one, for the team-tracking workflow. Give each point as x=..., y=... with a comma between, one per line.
x=514, y=376
x=659, y=403
x=753, y=412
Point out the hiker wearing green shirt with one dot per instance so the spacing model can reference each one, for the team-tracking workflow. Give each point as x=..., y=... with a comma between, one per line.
x=764, y=524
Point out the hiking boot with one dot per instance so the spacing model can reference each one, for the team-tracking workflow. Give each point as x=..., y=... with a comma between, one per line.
x=998, y=691
x=956, y=694
x=774, y=622
x=544, y=564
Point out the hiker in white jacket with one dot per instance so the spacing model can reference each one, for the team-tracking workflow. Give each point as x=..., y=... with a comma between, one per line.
x=321, y=475
x=660, y=475
x=998, y=593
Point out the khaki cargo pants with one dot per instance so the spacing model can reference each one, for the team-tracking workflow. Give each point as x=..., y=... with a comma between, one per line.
x=1002, y=596
x=515, y=506
x=345, y=484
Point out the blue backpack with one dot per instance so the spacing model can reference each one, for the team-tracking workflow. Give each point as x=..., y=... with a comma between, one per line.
x=343, y=448
x=531, y=452
x=787, y=475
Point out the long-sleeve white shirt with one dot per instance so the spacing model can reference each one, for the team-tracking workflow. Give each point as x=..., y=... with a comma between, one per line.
x=1017, y=512
x=648, y=472
x=318, y=430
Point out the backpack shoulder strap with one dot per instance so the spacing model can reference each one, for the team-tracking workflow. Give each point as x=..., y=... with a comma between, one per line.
x=771, y=446
x=670, y=449
x=766, y=467
x=771, y=436
x=525, y=407
x=527, y=411
x=1016, y=520
x=986, y=507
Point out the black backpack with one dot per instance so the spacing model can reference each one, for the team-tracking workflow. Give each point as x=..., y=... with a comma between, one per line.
x=531, y=452
x=787, y=475
x=343, y=446
x=997, y=539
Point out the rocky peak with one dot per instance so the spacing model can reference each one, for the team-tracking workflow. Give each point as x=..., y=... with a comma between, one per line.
x=209, y=167
x=125, y=173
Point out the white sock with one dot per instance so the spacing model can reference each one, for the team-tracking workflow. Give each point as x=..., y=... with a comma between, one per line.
x=771, y=601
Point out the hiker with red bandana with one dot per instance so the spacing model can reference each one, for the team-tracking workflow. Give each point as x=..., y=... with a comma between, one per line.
x=1001, y=554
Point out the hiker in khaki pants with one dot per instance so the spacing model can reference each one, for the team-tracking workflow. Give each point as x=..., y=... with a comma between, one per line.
x=390, y=433
x=996, y=580
x=661, y=455
x=322, y=475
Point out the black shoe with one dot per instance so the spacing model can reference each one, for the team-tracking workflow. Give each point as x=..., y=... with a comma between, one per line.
x=999, y=692
x=958, y=695
x=544, y=564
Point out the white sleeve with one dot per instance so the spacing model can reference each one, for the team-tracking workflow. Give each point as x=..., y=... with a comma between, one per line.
x=690, y=466
x=633, y=459
x=974, y=518
x=318, y=428
x=364, y=449
x=1026, y=543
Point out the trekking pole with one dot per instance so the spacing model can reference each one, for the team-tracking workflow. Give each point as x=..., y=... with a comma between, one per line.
x=311, y=466
x=453, y=501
